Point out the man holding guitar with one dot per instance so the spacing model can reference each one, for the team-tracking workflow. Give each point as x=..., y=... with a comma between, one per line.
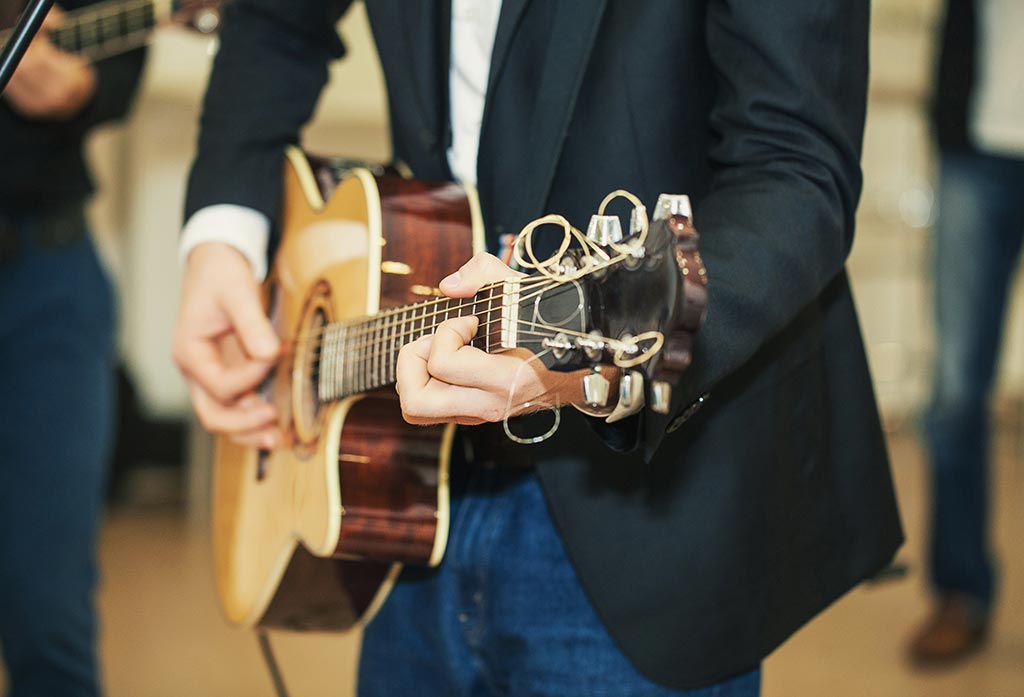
x=56, y=370
x=700, y=537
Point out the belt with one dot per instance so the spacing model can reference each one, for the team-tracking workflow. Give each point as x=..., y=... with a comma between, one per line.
x=50, y=230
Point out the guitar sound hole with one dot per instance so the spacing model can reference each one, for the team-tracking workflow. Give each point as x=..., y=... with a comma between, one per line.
x=306, y=369
x=317, y=325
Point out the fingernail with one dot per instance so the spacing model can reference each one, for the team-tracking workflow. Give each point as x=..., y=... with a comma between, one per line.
x=451, y=281
x=269, y=442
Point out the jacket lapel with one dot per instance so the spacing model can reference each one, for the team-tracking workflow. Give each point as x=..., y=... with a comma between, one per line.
x=570, y=40
x=508, y=23
x=426, y=30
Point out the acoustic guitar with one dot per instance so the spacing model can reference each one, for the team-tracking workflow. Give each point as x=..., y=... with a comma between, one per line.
x=311, y=536
x=108, y=28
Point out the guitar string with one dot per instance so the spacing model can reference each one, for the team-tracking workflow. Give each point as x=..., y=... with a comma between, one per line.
x=377, y=339
x=488, y=324
x=370, y=382
x=376, y=377
x=95, y=16
x=365, y=325
x=368, y=328
x=141, y=12
x=366, y=367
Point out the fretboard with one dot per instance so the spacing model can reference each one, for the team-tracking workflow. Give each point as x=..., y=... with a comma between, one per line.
x=361, y=355
x=104, y=29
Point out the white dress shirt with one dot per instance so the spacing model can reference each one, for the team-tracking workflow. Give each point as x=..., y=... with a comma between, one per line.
x=997, y=113
x=474, y=24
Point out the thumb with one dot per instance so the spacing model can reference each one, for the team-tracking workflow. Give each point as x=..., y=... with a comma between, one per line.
x=474, y=274
x=244, y=310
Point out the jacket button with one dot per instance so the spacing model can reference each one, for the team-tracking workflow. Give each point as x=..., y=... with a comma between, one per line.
x=687, y=413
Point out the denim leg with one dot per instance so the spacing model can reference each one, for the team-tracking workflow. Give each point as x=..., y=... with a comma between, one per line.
x=504, y=615
x=55, y=378
x=977, y=241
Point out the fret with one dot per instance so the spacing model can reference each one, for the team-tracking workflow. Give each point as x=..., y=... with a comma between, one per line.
x=346, y=368
x=360, y=383
x=390, y=374
x=367, y=344
x=487, y=320
x=371, y=359
x=106, y=28
x=87, y=33
x=110, y=27
x=338, y=376
x=378, y=351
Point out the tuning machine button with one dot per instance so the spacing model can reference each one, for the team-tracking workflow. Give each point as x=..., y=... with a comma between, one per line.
x=604, y=229
x=595, y=388
x=673, y=204
x=661, y=396
x=631, y=389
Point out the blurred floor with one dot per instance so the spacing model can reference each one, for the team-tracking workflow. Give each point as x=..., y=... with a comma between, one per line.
x=163, y=634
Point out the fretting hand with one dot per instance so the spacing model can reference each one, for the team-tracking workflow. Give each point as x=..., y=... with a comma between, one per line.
x=50, y=84
x=443, y=379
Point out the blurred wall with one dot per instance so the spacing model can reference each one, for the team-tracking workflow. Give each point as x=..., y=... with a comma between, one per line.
x=143, y=166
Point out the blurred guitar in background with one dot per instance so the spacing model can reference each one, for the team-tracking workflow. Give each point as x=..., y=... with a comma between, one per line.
x=108, y=28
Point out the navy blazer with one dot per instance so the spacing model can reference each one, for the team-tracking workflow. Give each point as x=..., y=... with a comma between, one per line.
x=720, y=531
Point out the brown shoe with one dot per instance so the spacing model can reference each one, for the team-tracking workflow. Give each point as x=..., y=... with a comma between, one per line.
x=955, y=630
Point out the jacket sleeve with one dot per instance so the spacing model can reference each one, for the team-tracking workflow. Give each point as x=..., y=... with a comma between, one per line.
x=117, y=80
x=265, y=83
x=777, y=222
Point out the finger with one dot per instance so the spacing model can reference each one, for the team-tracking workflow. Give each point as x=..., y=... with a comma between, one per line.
x=411, y=374
x=426, y=400
x=201, y=361
x=247, y=414
x=439, y=402
x=268, y=438
x=245, y=311
x=474, y=274
x=454, y=361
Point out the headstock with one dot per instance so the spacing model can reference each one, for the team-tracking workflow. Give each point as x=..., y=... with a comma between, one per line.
x=630, y=301
x=202, y=15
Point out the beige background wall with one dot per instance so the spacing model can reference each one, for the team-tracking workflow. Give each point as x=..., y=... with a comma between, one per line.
x=143, y=166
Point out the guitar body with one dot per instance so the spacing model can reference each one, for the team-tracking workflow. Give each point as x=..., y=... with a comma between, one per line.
x=311, y=536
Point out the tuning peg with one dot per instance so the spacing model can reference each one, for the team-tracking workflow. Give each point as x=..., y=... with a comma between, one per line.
x=661, y=396
x=595, y=388
x=673, y=204
x=631, y=388
x=604, y=229
x=637, y=219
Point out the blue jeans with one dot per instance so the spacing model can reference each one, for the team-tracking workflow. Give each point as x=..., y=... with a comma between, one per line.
x=504, y=614
x=56, y=325
x=977, y=243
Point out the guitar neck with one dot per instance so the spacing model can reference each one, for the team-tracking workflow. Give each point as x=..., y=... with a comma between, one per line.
x=361, y=355
x=107, y=28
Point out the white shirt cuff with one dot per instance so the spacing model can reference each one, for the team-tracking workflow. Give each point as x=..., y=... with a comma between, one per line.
x=245, y=229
